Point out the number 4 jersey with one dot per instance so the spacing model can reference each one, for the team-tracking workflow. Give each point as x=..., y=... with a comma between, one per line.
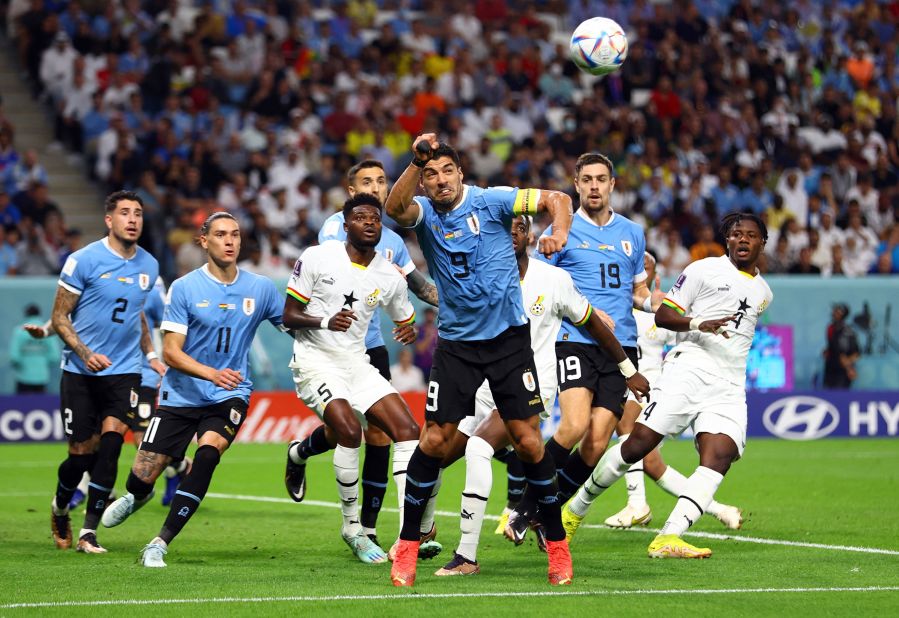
x=112, y=291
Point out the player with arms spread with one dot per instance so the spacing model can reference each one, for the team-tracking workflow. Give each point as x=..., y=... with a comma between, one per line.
x=464, y=234
x=211, y=316
x=714, y=307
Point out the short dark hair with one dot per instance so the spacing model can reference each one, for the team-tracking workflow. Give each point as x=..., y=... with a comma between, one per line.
x=445, y=150
x=365, y=164
x=729, y=221
x=32, y=310
x=204, y=229
x=113, y=199
x=591, y=158
x=361, y=199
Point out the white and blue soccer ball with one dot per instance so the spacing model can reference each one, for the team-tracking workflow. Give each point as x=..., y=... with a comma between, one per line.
x=598, y=46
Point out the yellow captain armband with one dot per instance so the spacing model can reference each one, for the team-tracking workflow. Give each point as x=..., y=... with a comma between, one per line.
x=526, y=202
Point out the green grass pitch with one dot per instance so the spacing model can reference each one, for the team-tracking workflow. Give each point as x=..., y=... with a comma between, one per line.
x=245, y=555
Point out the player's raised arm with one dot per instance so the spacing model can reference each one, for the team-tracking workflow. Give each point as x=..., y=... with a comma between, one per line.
x=558, y=205
x=400, y=205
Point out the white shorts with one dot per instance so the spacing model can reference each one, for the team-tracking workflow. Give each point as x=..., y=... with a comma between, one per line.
x=484, y=405
x=683, y=397
x=358, y=383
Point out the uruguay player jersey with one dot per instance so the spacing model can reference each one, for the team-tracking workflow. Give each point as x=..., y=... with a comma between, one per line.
x=112, y=291
x=219, y=321
x=391, y=247
x=470, y=257
x=153, y=309
x=605, y=263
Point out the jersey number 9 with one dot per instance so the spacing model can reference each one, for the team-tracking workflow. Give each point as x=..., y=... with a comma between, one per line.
x=461, y=261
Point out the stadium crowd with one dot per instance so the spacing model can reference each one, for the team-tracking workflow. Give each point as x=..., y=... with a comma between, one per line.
x=788, y=110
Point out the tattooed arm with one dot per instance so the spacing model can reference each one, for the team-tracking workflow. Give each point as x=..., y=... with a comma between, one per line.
x=420, y=286
x=63, y=305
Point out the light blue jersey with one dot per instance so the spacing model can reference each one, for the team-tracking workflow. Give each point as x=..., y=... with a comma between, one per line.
x=470, y=257
x=605, y=263
x=153, y=309
x=391, y=247
x=111, y=291
x=219, y=321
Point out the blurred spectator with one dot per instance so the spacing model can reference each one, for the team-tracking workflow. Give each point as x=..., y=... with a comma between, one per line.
x=426, y=342
x=34, y=256
x=9, y=260
x=405, y=376
x=842, y=350
x=705, y=245
x=32, y=360
x=887, y=255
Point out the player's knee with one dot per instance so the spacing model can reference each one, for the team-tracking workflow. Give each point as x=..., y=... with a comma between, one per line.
x=570, y=430
x=529, y=447
x=434, y=443
x=407, y=431
x=348, y=434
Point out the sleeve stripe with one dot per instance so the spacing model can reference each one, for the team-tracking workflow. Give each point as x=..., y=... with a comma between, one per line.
x=297, y=296
x=70, y=288
x=586, y=317
x=407, y=321
x=173, y=327
x=670, y=303
x=526, y=202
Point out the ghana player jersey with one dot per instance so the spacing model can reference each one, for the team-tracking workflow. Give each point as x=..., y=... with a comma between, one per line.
x=326, y=281
x=112, y=291
x=391, y=247
x=219, y=321
x=651, y=342
x=709, y=289
x=470, y=257
x=154, y=307
x=605, y=262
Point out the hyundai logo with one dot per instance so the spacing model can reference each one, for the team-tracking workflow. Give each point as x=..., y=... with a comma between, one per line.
x=801, y=418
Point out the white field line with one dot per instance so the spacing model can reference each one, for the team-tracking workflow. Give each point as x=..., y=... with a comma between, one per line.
x=706, y=535
x=399, y=596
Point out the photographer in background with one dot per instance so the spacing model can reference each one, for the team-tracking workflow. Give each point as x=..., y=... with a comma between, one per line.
x=842, y=350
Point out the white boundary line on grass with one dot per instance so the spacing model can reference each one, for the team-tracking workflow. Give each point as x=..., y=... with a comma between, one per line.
x=443, y=595
x=706, y=535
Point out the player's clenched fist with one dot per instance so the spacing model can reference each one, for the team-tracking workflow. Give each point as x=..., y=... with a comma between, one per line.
x=553, y=243
x=341, y=321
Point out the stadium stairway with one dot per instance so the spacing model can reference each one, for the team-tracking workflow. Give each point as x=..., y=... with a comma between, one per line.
x=80, y=199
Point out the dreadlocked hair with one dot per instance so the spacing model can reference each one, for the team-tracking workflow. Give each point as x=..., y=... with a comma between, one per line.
x=729, y=221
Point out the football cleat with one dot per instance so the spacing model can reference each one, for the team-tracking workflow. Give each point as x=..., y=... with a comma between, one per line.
x=428, y=547
x=121, y=509
x=364, y=549
x=518, y=525
x=459, y=565
x=295, y=477
x=60, y=526
x=151, y=555
x=503, y=520
x=730, y=516
x=630, y=516
x=88, y=544
x=672, y=546
x=540, y=533
x=560, y=571
x=570, y=522
x=402, y=573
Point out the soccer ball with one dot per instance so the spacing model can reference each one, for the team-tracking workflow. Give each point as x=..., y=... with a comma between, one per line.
x=598, y=46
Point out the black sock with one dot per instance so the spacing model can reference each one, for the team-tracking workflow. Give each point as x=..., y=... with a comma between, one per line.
x=138, y=488
x=69, y=475
x=191, y=492
x=542, y=481
x=559, y=453
x=374, y=483
x=503, y=454
x=102, y=477
x=421, y=476
x=315, y=443
x=575, y=474
x=515, y=479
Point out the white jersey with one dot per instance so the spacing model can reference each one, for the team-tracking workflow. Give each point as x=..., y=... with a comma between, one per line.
x=709, y=289
x=651, y=342
x=326, y=281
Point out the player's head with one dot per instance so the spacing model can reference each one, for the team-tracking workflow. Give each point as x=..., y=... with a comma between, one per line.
x=745, y=235
x=649, y=265
x=362, y=220
x=124, y=216
x=367, y=176
x=441, y=178
x=220, y=238
x=594, y=181
x=521, y=234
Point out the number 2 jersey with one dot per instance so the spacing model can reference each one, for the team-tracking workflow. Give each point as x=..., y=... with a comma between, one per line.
x=219, y=321
x=605, y=263
x=714, y=288
x=327, y=281
x=112, y=291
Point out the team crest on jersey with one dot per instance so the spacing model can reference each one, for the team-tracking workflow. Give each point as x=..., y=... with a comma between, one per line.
x=473, y=224
x=529, y=382
x=249, y=306
x=626, y=246
x=143, y=280
x=538, y=307
x=235, y=416
x=372, y=299
x=388, y=255
x=133, y=399
x=584, y=245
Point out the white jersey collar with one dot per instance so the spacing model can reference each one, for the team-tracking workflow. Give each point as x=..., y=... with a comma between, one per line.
x=205, y=269
x=105, y=241
x=583, y=213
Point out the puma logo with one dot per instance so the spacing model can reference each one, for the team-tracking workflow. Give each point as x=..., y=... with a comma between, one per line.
x=413, y=501
x=689, y=521
x=466, y=515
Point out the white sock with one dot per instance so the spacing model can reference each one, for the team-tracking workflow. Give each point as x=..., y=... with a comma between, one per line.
x=402, y=453
x=674, y=483
x=82, y=486
x=346, y=470
x=159, y=541
x=478, y=482
x=84, y=531
x=294, y=453
x=699, y=490
x=609, y=469
x=427, y=517
x=636, y=487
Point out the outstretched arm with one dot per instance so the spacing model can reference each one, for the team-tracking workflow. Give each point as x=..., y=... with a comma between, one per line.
x=400, y=205
x=422, y=288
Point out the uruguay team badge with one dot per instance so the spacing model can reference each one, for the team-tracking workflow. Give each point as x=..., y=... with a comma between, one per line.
x=388, y=255
x=249, y=306
x=144, y=281
x=626, y=246
x=529, y=382
x=235, y=416
x=473, y=224
x=134, y=398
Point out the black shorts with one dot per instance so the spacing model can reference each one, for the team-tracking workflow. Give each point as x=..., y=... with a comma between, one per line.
x=460, y=367
x=85, y=400
x=171, y=429
x=588, y=366
x=139, y=418
x=380, y=360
